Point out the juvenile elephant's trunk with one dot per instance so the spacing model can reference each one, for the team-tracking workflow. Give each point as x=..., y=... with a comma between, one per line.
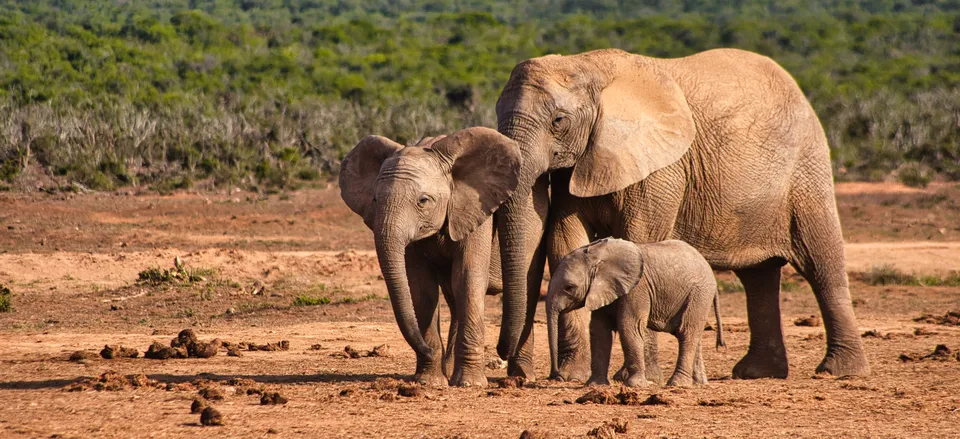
x=512, y=230
x=391, y=245
x=554, y=307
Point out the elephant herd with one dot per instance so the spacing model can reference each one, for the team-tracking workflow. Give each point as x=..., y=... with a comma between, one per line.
x=632, y=178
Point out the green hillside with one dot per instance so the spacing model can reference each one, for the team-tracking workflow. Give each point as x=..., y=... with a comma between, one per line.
x=271, y=93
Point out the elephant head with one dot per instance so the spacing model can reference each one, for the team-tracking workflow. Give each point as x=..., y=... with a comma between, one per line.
x=611, y=116
x=592, y=276
x=446, y=185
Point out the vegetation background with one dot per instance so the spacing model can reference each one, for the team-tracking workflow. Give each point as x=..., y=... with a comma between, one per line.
x=269, y=94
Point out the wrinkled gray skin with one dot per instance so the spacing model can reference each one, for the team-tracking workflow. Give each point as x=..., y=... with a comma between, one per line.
x=719, y=149
x=430, y=209
x=664, y=286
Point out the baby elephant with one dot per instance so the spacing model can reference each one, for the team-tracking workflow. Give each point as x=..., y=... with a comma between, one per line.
x=430, y=209
x=671, y=289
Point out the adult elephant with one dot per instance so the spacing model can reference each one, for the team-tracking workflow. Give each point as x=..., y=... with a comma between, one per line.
x=719, y=149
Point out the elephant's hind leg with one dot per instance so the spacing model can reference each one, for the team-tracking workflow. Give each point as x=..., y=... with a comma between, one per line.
x=818, y=255
x=767, y=356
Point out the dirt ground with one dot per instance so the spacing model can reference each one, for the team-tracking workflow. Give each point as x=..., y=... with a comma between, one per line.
x=72, y=262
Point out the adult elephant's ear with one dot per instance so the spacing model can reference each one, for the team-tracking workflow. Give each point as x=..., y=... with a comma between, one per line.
x=358, y=174
x=644, y=124
x=617, y=268
x=485, y=170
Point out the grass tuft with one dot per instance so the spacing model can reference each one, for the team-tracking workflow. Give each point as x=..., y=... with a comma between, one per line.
x=311, y=300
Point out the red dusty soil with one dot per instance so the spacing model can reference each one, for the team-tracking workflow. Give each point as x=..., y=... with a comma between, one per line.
x=72, y=262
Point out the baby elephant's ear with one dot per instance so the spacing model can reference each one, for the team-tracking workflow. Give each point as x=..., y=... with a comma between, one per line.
x=358, y=173
x=617, y=268
x=485, y=170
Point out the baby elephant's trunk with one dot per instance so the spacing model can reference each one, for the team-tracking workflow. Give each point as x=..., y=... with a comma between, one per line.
x=716, y=313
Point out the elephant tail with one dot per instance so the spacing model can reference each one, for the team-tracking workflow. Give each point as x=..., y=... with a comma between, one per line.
x=716, y=313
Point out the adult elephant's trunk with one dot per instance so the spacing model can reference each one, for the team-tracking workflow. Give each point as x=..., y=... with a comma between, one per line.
x=515, y=259
x=554, y=307
x=391, y=242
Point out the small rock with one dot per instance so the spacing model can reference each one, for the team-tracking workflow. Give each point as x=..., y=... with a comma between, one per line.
x=534, y=434
x=231, y=311
x=316, y=347
x=234, y=353
x=211, y=416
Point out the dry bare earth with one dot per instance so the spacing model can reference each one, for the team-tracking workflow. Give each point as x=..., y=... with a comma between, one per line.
x=72, y=262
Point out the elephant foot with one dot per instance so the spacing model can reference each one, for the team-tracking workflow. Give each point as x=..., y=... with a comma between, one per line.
x=761, y=365
x=637, y=380
x=680, y=381
x=575, y=367
x=597, y=381
x=433, y=379
x=844, y=362
x=622, y=375
x=521, y=368
x=469, y=378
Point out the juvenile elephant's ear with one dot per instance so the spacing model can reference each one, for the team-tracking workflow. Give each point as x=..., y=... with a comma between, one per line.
x=617, y=268
x=358, y=173
x=485, y=170
x=644, y=125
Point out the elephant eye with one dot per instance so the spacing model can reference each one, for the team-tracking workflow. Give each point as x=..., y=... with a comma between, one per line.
x=557, y=121
x=424, y=199
x=570, y=288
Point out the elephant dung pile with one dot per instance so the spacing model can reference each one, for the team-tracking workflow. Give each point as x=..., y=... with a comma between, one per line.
x=624, y=397
x=940, y=353
x=110, y=352
x=349, y=352
x=111, y=381
x=951, y=318
x=610, y=429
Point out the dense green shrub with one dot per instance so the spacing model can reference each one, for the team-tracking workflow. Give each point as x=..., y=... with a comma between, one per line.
x=266, y=93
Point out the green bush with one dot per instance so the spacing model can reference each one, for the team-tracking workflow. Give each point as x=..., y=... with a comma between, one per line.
x=6, y=296
x=914, y=174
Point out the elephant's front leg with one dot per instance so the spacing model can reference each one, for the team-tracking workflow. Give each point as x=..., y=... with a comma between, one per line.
x=470, y=279
x=425, y=292
x=567, y=230
x=633, y=315
x=602, y=326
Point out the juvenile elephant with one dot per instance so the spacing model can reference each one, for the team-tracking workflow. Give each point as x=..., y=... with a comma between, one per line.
x=664, y=286
x=720, y=149
x=429, y=207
